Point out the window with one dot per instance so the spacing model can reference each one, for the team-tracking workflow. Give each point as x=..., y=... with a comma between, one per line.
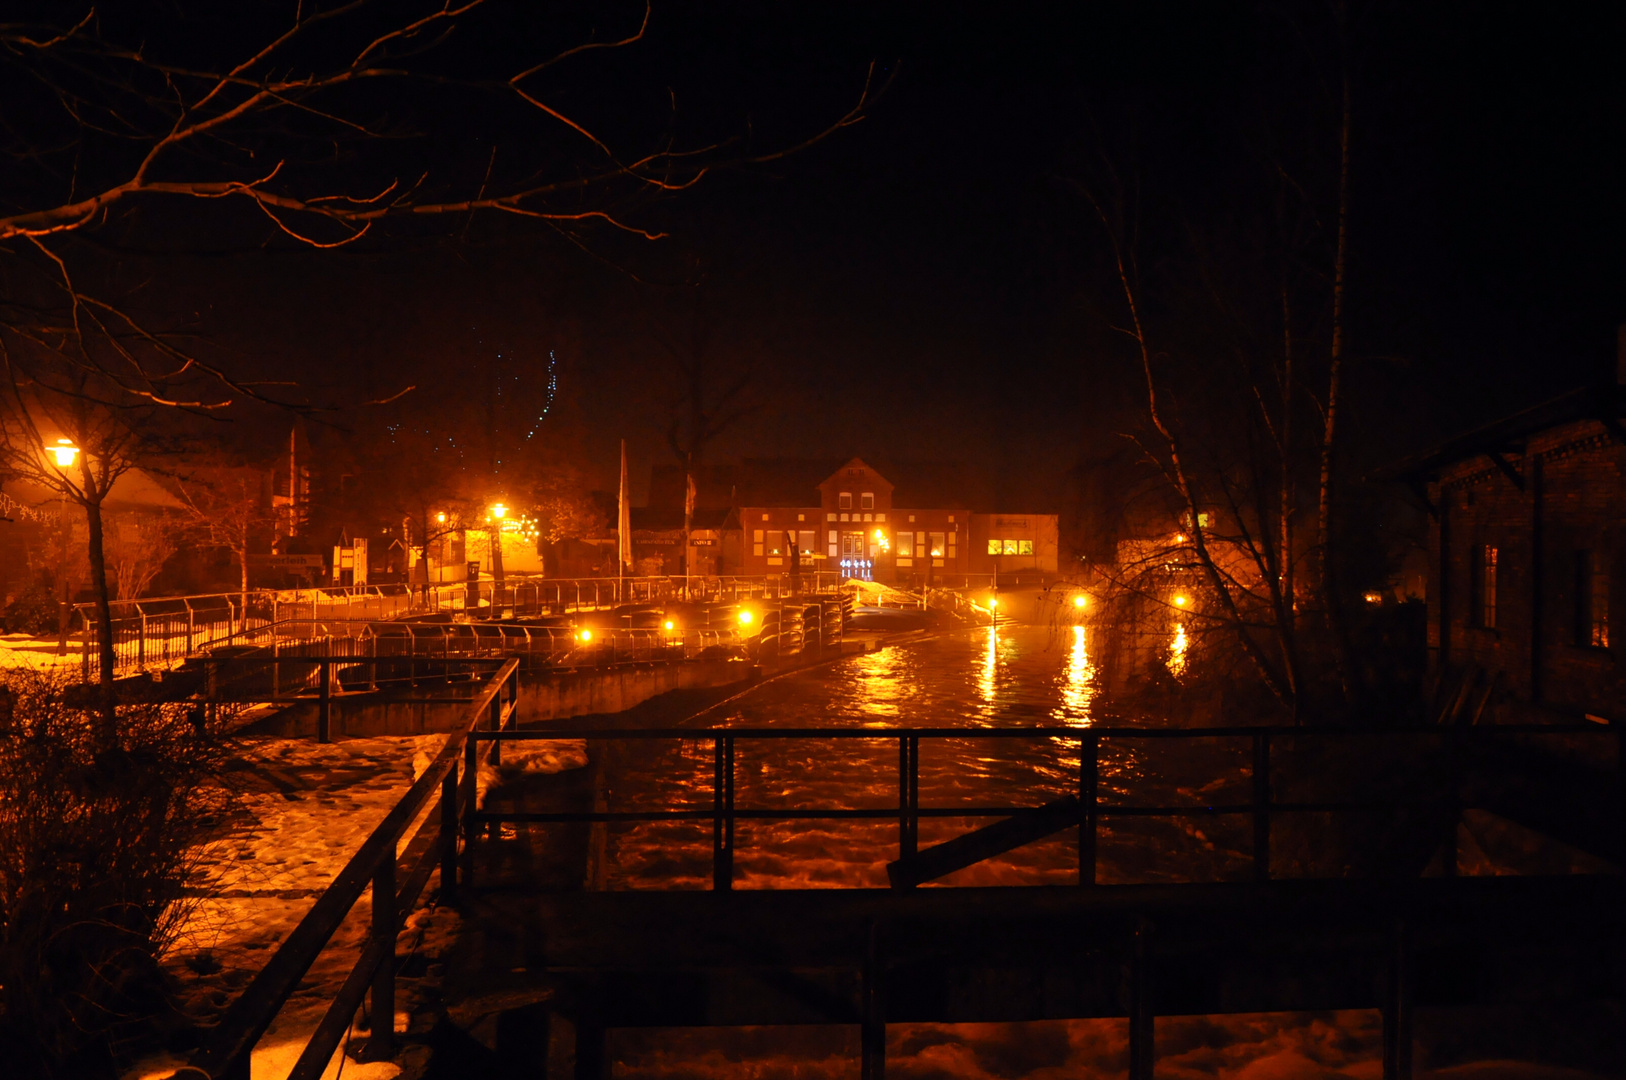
x=1485, y=595
x=867, y=501
x=804, y=542
x=776, y=543
x=995, y=548
x=834, y=550
x=1024, y=547
x=756, y=541
x=844, y=501
x=937, y=545
x=906, y=545
x=1591, y=601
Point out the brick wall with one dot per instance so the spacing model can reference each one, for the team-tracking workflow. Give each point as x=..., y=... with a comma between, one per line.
x=1571, y=500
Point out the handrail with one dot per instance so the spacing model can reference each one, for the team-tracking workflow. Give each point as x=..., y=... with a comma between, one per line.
x=228, y=1051
x=1084, y=809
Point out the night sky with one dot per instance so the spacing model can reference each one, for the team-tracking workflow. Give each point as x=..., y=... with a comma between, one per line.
x=926, y=284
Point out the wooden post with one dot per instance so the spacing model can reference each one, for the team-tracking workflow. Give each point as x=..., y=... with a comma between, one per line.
x=1141, y=1050
x=448, y=836
x=471, y=777
x=496, y=723
x=722, y=826
x=1397, y=1009
x=382, y=1043
x=1261, y=806
x=1089, y=755
x=324, y=704
x=141, y=643
x=872, y=1012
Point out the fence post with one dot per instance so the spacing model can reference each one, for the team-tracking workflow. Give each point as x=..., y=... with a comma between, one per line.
x=448, y=835
x=382, y=1043
x=471, y=807
x=1141, y=1016
x=1261, y=806
x=1089, y=756
x=722, y=827
x=190, y=626
x=324, y=704
x=141, y=643
x=908, y=795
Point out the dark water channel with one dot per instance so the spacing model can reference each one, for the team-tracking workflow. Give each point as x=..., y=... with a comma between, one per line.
x=1015, y=676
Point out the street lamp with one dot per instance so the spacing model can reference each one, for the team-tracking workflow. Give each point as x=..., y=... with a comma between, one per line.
x=63, y=453
x=1079, y=601
x=499, y=511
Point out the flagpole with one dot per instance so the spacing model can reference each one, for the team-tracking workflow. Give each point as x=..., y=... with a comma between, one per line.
x=623, y=530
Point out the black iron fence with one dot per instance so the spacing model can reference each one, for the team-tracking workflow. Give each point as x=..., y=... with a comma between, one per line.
x=161, y=632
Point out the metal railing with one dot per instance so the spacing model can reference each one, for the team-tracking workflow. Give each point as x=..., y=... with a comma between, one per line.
x=1085, y=808
x=160, y=632
x=395, y=884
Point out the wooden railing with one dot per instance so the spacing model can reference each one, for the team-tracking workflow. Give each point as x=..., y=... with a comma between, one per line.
x=395, y=886
x=1025, y=823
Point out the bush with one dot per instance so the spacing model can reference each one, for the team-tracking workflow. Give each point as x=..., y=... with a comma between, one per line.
x=35, y=611
x=99, y=828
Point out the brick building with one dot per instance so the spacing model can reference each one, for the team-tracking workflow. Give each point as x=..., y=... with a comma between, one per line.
x=767, y=515
x=1527, y=566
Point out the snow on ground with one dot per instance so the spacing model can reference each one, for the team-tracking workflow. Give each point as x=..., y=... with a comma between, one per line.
x=36, y=653
x=304, y=810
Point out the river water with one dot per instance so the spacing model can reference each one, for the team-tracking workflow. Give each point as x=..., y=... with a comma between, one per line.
x=1012, y=676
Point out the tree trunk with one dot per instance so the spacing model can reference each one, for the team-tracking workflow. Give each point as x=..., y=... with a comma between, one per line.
x=1331, y=599
x=104, y=608
x=242, y=565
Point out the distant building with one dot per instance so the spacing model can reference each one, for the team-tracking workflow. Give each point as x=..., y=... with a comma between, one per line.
x=1527, y=569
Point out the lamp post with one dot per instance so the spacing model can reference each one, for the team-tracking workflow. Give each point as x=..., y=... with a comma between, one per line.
x=62, y=454
x=498, y=512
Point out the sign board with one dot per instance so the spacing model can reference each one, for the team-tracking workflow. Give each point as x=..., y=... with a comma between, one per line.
x=702, y=543
x=286, y=562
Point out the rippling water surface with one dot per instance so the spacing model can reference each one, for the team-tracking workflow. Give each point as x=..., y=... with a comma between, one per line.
x=1010, y=677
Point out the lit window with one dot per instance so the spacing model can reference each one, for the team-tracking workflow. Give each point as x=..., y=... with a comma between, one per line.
x=1591, y=601
x=776, y=543
x=1012, y=547
x=1485, y=595
x=994, y=548
x=867, y=501
x=804, y=542
x=844, y=501
x=906, y=545
x=756, y=542
x=938, y=545
x=1024, y=547
x=1202, y=521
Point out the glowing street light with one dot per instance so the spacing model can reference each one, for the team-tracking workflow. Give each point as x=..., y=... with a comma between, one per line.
x=586, y=635
x=1181, y=601
x=993, y=602
x=499, y=511
x=1079, y=601
x=670, y=625
x=441, y=517
x=63, y=453
x=745, y=618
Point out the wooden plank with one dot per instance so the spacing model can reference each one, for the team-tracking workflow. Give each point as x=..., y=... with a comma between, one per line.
x=986, y=842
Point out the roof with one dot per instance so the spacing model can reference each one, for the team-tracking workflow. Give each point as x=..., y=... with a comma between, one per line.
x=1603, y=403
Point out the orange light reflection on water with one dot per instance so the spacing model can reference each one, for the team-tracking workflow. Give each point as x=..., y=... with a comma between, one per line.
x=1076, y=683
x=987, y=679
x=1177, y=651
